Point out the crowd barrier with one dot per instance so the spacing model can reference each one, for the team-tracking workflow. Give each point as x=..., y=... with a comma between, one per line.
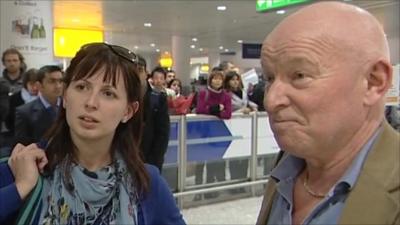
x=202, y=138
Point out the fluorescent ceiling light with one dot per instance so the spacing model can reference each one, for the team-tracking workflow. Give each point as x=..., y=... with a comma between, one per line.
x=153, y=45
x=221, y=47
x=280, y=12
x=226, y=50
x=240, y=41
x=194, y=39
x=193, y=46
x=157, y=50
x=201, y=49
x=147, y=24
x=221, y=8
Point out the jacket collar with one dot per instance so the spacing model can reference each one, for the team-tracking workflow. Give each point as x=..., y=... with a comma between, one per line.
x=380, y=181
x=375, y=197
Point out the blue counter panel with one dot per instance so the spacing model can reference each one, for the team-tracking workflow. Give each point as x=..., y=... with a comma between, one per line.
x=206, y=140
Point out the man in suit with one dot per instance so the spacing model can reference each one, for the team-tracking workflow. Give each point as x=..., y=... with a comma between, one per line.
x=4, y=105
x=33, y=119
x=328, y=69
x=156, y=119
x=27, y=94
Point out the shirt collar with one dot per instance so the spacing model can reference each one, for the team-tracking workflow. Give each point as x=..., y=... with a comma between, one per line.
x=352, y=173
x=46, y=103
x=26, y=95
x=291, y=166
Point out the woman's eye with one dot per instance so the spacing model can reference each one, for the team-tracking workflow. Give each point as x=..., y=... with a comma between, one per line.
x=80, y=87
x=109, y=94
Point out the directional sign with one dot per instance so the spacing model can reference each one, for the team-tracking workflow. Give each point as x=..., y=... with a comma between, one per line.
x=264, y=5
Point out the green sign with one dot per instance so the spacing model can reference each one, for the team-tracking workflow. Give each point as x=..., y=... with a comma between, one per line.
x=264, y=5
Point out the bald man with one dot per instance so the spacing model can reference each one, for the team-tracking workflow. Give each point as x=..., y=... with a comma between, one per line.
x=328, y=69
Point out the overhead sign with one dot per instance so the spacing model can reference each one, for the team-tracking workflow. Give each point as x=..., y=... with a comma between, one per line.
x=251, y=51
x=264, y=5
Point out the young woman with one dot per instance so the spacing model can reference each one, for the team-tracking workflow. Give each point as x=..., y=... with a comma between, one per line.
x=94, y=173
x=240, y=102
x=178, y=104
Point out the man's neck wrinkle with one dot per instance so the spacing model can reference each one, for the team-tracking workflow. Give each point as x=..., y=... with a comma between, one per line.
x=337, y=163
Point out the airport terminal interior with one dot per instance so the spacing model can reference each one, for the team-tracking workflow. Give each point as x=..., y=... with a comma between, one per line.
x=216, y=168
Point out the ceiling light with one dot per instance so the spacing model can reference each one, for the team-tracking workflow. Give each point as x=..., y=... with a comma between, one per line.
x=221, y=8
x=193, y=46
x=240, y=41
x=226, y=50
x=221, y=47
x=194, y=39
x=280, y=12
x=201, y=49
x=153, y=45
x=136, y=47
x=157, y=50
x=147, y=24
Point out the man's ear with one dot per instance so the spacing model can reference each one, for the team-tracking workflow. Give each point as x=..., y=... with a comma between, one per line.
x=379, y=80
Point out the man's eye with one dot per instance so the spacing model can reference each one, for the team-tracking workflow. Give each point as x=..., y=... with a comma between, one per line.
x=299, y=75
x=270, y=79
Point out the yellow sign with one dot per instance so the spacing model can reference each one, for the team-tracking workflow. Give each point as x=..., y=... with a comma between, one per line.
x=166, y=60
x=68, y=41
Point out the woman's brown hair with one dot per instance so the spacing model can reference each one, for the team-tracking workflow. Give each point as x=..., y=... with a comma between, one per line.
x=86, y=63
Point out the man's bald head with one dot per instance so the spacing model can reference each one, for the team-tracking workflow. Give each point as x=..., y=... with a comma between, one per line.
x=346, y=27
x=328, y=70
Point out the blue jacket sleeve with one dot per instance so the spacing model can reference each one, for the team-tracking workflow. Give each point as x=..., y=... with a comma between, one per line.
x=158, y=205
x=10, y=201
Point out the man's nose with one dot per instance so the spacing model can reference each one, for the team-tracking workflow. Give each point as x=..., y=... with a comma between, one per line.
x=276, y=96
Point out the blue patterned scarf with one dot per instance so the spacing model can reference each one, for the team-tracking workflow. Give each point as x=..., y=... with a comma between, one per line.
x=103, y=197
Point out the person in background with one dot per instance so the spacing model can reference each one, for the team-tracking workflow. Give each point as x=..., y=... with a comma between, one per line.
x=34, y=118
x=240, y=102
x=256, y=93
x=170, y=76
x=157, y=77
x=28, y=93
x=178, y=104
x=155, y=138
x=94, y=173
x=227, y=66
x=15, y=66
x=325, y=101
x=4, y=105
x=213, y=100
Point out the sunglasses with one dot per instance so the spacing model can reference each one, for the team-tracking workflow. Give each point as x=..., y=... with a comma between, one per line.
x=118, y=50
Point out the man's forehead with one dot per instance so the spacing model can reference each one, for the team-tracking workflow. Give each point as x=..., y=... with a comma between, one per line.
x=11, y=56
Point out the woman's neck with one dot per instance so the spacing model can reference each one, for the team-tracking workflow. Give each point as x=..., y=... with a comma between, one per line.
x=93, y=154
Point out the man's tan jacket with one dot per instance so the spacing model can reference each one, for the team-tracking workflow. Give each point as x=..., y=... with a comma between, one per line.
x=375, y=197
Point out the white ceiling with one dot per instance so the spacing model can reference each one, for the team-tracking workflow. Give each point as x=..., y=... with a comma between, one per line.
x=123, y=21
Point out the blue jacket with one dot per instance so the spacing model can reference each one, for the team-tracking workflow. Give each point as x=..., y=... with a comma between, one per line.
x=155, y=207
